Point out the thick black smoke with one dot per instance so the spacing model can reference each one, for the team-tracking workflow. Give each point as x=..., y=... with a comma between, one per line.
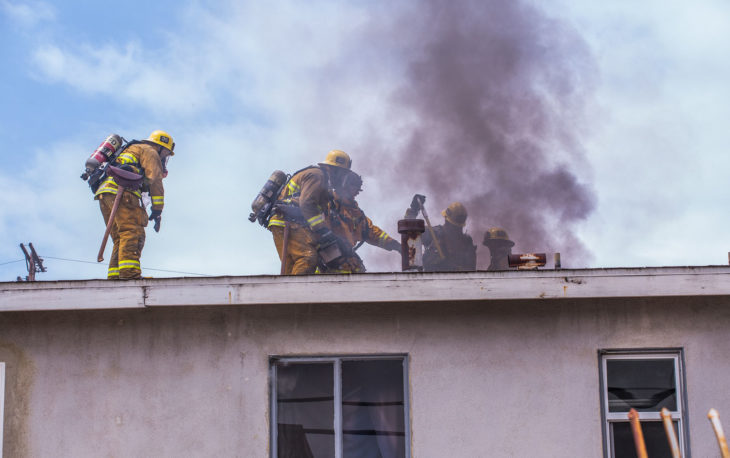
x=492, y=108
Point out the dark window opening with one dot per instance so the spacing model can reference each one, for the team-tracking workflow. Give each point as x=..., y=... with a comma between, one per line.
x=340, y=407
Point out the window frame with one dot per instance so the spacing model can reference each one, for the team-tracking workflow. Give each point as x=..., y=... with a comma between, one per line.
x=337, y=374
x=681, y=415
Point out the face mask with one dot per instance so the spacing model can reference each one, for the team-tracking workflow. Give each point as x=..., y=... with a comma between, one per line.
x=164, y=166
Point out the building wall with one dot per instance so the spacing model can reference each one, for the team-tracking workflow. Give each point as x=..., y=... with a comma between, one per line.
x=509, y=378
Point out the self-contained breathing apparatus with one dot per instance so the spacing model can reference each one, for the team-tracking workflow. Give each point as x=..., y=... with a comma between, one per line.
x=263, y=205
x=332, y=250
x=96, y=166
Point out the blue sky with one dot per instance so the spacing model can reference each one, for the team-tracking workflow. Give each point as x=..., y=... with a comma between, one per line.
x=249, y=87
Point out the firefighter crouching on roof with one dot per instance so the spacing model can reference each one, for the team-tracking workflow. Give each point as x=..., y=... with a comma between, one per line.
x=500, y=247
x=351, y=224
x=148, y=158
x=301, y=206
x=459, y=251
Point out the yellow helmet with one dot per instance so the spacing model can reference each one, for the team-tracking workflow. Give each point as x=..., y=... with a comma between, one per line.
x=455, y=213
x=337, y=158
x=496, y=236
x=162, y=138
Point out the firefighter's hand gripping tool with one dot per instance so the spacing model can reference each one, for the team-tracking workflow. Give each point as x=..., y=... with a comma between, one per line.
x=417, y=202
x=418, y=198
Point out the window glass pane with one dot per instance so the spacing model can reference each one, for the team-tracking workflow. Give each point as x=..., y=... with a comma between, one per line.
x=305, y=410
x=373, y=414
x=655, y=438
x=647, y=385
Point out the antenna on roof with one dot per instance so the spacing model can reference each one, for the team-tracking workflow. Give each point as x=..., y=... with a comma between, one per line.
x=33, y=262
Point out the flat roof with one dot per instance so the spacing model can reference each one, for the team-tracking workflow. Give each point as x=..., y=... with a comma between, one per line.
x=366, y=288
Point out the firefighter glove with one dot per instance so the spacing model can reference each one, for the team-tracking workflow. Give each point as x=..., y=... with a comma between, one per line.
x=392, y=245
x=157, y=216
x=417, y=203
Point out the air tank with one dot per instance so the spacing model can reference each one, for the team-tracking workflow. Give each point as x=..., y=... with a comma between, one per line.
x=261, y=205
x=101, y=154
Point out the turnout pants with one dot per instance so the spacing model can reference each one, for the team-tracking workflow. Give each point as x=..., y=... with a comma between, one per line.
x=127, y=234
x=301, y=255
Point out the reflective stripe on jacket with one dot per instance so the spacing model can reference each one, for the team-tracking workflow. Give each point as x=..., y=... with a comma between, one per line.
x=308, y=190
x=145, y=158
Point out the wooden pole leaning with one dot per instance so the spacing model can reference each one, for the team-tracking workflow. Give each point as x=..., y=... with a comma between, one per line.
x=285, y=248
x=719, y=433
x=638, y=434
x=110, y=223
x=125, y=181
x=431, y=231
x=669, y=429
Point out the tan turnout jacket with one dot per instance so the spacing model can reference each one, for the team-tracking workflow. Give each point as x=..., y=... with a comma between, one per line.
x=144, y=157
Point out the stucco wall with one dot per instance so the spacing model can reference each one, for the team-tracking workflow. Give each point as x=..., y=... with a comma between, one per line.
x=509, y=378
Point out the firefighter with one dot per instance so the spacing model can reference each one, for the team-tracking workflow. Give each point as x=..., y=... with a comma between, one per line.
x=500, y=247
x=458, y=252
x=300, y=210
x=148, y=158
x=351, y=224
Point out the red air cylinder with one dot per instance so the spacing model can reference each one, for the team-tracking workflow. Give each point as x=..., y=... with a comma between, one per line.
x=101, y=154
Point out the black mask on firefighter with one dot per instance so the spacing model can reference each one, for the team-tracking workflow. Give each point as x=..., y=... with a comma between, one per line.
x=337, y=177
x=164, y=158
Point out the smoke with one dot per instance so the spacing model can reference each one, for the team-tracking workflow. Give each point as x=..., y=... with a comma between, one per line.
x=491, y=110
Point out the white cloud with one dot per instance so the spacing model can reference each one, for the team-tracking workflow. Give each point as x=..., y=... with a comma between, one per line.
x=28, y=14
x=253, y=56
x=658, y=150
x=125, y=74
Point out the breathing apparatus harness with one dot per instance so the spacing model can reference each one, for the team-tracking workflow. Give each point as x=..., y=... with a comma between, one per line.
x=267, y=201
x=333, y=252
x=97, y=166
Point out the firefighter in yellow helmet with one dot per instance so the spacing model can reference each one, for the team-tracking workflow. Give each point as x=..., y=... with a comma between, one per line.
x=350, y=223
x=500, y=247
x=300, y=209
x=458, y=252
x=147, y=158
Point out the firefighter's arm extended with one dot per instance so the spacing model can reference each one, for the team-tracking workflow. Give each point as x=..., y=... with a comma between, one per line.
x=150, y=161
x=378, y=237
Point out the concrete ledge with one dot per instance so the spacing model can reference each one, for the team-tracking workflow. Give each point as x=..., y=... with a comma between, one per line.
x=368, y=288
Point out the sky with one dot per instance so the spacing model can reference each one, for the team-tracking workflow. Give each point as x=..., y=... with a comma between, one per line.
x=593, y=129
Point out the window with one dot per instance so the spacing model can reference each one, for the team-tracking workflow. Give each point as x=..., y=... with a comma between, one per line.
x=339, y=407
x=646, y=381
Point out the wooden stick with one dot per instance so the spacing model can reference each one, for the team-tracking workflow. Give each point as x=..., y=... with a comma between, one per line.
x=638, y=434
x=717, y=426
x=285, y=248
x=669, y=429
x=117, y=199
x=431, y=231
